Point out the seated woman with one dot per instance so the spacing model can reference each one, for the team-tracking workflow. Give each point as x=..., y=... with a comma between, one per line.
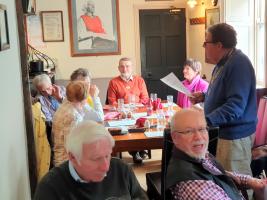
x=93, y=100
x=193, y=82
x=73, y=110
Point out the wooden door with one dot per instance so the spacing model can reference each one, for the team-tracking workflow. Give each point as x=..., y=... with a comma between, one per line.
x=163, y=48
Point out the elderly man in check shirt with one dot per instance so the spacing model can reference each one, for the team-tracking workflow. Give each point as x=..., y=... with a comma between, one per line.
x=193, y=173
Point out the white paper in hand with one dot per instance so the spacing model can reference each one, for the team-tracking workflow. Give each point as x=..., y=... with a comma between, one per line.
x=172, y=81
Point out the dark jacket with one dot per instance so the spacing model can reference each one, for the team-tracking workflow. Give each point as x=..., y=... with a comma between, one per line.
x=184, y=168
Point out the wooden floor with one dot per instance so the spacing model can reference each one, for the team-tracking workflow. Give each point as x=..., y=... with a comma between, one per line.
x=149, y=165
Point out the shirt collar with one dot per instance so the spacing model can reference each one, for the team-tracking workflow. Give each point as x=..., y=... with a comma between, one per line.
x=74, y=174
x=129, y=79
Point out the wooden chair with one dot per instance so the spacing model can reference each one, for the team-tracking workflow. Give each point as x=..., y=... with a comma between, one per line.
x=156, y=180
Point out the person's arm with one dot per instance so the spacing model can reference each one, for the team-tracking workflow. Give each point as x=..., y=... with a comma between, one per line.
x=137, y=193
x=197, y=97
x=143, y=92
x=238, y=82
x=248, y=181
x=59, y=93
x=45, y=109
x=198, y=189
x=45, y=192
x=112, y=99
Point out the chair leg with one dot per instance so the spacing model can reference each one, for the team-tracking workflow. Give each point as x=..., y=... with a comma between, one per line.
x=149, y=154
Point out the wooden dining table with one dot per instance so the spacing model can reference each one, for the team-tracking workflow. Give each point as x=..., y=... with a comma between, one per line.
x=138, y=141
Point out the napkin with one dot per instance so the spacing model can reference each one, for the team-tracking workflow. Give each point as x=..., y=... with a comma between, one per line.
x=111, y=115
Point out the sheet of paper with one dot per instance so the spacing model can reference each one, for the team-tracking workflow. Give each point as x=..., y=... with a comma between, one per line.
x=172, y=81
x=123, y=122
x=154, y=134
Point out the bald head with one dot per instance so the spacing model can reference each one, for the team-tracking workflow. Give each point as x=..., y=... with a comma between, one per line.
x=189, y=132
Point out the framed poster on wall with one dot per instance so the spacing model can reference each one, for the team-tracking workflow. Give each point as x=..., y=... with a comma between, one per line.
x=94, y=27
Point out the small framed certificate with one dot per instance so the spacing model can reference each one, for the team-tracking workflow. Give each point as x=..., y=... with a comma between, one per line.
x=52, y=26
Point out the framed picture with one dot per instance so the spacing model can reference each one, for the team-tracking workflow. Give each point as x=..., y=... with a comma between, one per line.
x=4, y=34
x=94, y=27
x=212, y=17
x=52, y=26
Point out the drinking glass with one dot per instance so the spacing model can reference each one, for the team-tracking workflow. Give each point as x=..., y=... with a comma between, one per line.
x=170, y=104
x=153, y=96
x=170, y=100
x=131, y=100
x=120, y=105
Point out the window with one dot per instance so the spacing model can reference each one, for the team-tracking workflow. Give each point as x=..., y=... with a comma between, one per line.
x=249, y=20
x=260, y=42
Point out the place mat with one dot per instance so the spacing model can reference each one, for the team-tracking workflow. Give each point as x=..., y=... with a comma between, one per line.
x=154, y=134
x=123, y=122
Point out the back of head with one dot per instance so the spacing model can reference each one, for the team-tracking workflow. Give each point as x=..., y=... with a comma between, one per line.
x=77, y=91
x=80, y=74
x=86, y=132
x=41, y=79
x=194, y=64
x=223, y=33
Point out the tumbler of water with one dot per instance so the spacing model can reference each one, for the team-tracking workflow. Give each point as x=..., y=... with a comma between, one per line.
x=161, y=121
x=153, y=96
x=170, y=100
x=131, y=100
x=170, y=104
x=120, y=105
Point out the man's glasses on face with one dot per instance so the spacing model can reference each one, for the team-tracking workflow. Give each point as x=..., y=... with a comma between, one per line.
x=191, y=131
x=207, y=42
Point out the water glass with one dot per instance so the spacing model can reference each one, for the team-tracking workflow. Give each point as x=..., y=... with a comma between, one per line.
x=153, y=97
x=131, y=100
x=120, y=105
x=170, y=100
x=161, y=120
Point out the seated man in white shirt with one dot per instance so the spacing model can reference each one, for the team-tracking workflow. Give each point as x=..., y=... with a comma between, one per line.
x=90, y=173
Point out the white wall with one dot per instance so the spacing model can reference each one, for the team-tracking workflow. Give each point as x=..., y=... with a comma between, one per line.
x=14, y=183
x=196, y=36
x=106, y=66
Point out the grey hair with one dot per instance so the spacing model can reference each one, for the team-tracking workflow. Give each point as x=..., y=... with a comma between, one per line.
x=80, y=73
x=178, y=114
x=193, y=64
x=41, y=79
x=125, y=59
x=85, y=132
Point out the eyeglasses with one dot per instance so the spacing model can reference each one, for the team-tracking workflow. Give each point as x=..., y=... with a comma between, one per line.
x=206, y=42
x=190, y=132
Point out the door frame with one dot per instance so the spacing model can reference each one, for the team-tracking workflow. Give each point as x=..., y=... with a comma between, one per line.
x=152, y=6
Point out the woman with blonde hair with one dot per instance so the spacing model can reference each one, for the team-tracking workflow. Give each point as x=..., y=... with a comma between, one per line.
x=73, y=110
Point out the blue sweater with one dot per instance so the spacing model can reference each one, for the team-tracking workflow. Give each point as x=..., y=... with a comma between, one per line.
x=230, y=102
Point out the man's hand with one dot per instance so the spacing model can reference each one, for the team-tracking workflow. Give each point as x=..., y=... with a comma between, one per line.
x=57, y=93
x=198, y=97
x=94, y=91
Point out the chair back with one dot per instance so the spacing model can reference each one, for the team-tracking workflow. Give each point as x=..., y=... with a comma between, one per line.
x=213, y=139
x=166, y=156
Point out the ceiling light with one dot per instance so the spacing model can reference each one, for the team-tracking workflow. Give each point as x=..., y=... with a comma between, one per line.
x=191, y=3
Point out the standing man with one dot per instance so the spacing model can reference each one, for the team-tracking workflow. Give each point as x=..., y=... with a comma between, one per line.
x=230, y=101
x=127, y=84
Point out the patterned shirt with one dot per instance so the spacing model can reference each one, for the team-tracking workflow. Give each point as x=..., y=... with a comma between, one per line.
x=202, y=189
